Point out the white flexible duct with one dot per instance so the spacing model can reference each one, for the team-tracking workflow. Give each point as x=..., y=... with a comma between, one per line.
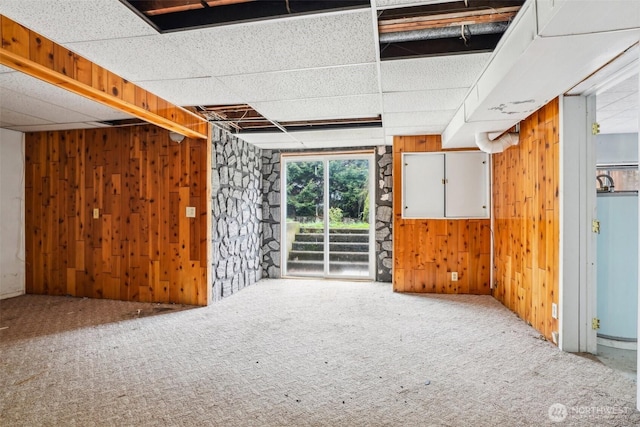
x=498, y=145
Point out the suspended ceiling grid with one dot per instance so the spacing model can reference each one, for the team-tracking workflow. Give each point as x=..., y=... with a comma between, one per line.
x=310, y=67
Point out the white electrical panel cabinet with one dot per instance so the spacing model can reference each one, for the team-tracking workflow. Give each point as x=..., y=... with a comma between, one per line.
x=423, y=189
x=445, y=185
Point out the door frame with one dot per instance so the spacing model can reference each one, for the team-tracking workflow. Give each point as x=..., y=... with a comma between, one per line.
x=577, y=287
x=326, y=157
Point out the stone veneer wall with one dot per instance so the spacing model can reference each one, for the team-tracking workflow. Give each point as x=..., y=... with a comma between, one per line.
x=271, y=201
x=271, y=211
x=384, y=214
x=237, y=213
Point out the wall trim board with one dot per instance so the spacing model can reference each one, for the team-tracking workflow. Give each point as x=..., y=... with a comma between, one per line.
x=210, y=275
x=427, y=251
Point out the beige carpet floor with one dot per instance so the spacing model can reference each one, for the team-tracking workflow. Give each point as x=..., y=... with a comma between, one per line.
x=295, y=353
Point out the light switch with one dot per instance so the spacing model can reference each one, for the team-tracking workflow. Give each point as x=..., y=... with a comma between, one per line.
x=96, y=213
x=191, y=212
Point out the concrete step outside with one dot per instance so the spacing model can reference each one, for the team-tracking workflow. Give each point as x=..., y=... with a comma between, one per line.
x=333, y=247
x=333, y=256
x=318, y=237
x=307, y=230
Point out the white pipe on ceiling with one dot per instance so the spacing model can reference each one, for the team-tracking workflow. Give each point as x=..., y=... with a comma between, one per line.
x=497, y=145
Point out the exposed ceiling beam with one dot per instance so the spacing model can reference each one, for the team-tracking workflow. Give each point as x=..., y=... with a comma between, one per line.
x=160, y=7
x=244, y=118
x=29, y=52
x=447, y=20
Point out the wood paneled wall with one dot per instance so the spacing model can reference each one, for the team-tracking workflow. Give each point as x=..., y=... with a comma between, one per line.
x=526, y=220
x=142, y=247
x=425, y=252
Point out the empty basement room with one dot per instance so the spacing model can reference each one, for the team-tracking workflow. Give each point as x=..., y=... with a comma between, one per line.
x=331, y=213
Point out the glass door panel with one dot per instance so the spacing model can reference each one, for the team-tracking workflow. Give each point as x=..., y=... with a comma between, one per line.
x=328, y=203
x=348, y=214
x=304, y=237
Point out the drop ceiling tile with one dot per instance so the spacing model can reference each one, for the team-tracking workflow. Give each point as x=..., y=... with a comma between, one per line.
x=58, y=126
x=13, y=118
x=141, y=58
x=414, y=130
x=33, y=88
x=347, y=143
x=281, y=146
x=440, y=72
x=339, y=134
x=309, y=41
x=284, y=145
x=198, y=91
x=265, y=137
x=21, y=103
x=66, y=21
x=320, y=108
x=426, y=100
x=309, y=83
x=419, y=118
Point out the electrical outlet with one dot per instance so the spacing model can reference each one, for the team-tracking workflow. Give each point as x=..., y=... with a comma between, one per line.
x=96, y=213
x=191, y=212
x=454, y=276
x=554, y=310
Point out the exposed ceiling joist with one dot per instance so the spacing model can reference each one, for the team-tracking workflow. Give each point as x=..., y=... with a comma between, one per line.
x=161, y=7
x=243, y=118
x=447, y=20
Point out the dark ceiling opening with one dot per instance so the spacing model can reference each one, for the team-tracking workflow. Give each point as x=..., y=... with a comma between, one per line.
x=243, y=118
x=444, y=28
x=177, y=15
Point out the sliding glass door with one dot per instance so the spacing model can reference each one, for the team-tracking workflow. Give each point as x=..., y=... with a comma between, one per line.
x=329, y=209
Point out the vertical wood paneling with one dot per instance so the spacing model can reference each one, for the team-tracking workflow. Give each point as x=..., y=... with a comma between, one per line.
x=526, y=215
x=425, y=252
x=142, y=247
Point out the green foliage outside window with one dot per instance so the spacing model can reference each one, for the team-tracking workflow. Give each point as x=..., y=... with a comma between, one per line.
x=348, y=189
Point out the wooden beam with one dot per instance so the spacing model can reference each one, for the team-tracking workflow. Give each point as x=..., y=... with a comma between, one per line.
x=447, y=20
x=171, y=6
x=29, y=52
